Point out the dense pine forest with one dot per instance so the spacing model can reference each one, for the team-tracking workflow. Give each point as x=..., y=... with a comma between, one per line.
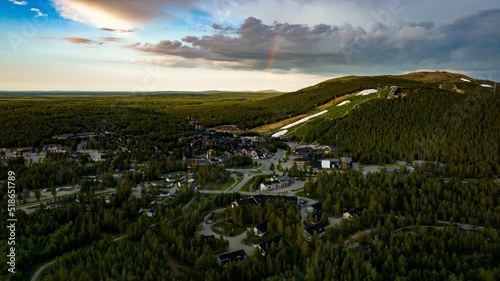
x=405, y=223
x=460, y=130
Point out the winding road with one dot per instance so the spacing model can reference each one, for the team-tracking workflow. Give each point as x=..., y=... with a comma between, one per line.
x=39, y=270
x=234, y=242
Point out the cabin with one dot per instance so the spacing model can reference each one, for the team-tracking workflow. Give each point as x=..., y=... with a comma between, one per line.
x=309, y=231
x=265, y=247
x=315, y=208
x=261, y=229
x=235, y=256
x=351, y=213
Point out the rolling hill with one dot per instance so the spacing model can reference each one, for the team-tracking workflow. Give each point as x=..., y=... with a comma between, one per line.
x=435, y=116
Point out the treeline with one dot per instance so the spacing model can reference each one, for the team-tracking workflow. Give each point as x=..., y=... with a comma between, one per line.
x=460, y=130
x=387, y=251
x=50, y=174
x=114, y=261
x=238, y=161
x=45, y=234
x=417, y=254
x=210, y=174
x=414, y=198
x=163, y=117
x=283, y=218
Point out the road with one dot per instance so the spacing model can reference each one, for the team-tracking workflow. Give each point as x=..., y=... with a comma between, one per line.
x=234, y=242
x=246, y=177
x=47, y=197
x=205, y=229
x=81, y=146
x=39, y=271
x=266, y=163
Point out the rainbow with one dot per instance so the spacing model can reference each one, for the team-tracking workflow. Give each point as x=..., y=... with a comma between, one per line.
x=274, y=47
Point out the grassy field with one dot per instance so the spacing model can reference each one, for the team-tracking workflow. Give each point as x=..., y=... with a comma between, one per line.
x=280, y=168
x=334, y=112
x=223, y=187
x=229, y=229
x=246, y=186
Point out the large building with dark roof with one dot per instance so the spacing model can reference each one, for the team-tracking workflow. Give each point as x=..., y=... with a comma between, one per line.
x=235, y=256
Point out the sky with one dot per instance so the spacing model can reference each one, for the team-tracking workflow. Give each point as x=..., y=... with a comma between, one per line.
x=194, y=45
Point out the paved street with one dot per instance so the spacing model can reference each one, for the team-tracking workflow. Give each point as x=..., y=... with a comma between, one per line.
x=234, y=242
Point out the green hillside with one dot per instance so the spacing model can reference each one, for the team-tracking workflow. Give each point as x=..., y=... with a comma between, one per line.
x=443, y=117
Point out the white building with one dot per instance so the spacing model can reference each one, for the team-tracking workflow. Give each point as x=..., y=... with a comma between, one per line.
x=275, y=183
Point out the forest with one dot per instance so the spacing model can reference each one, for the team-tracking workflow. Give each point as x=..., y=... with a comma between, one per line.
x=403, y=233
x=460, y=130
x=33, y=120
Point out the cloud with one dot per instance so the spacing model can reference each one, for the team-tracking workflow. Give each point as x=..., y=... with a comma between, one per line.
x=20, y=3
x=79, y=40
x=221, y=28
x=469, y=41
x=118, y=30
x=110, y=39
x=38, y=12
x=115, y=14
x=410, y=35
x=289, y=45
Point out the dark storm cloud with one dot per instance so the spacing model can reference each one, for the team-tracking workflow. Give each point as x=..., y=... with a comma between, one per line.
x=470, y=39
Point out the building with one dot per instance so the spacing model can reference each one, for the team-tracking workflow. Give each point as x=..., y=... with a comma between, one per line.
x=304, y=152
x=162, y=194
x=261, y=229
x=330, y=164
x=22, y=150
x=161, y=184
x=244, y=202
x=55, y=148
x=346, y=163
x=151, y=213
x=266, y=246
x=351, y=213
x=275, y=183
x=235, y=256
x=309, y=231
x=315, y=208
x=151, y=209
x=53, y=205
x=263, y=199
x=303, y=162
